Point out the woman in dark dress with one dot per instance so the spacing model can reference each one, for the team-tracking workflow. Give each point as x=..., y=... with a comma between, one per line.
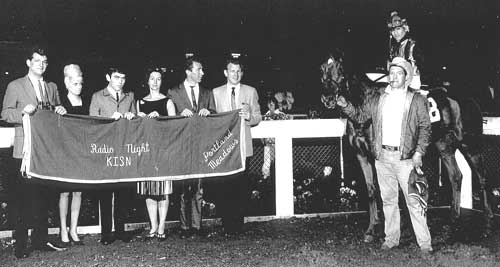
x=74, y=104
x=156, y=192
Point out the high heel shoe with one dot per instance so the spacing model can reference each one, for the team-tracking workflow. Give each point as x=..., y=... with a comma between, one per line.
x=74, y=242
x=161, y=237
x=65, y=244
x=150, y=236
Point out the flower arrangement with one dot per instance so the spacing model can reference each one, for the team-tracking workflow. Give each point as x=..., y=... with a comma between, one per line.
x=348, y=197
x=208, y=209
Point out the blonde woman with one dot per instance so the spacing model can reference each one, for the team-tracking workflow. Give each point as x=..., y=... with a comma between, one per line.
x=74, y=104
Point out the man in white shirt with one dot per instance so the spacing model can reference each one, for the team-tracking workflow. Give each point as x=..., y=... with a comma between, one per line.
x=401, y=130
x=191, y=100
x=24, y=96
x=231, y=96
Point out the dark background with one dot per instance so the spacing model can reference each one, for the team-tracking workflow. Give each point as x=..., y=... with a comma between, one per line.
x=282, y=41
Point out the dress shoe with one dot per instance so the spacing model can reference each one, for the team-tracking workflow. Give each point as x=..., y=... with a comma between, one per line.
x=232, y=231
x=107, y=239
x=124, y=237
x=184, y=233
x=65, y=244
x=21, y=253
x=198, y=232
x=426, y=250
x=49, y=246
x=385, y=246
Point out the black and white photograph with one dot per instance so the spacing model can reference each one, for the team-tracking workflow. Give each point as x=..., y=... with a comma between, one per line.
x=249, y=133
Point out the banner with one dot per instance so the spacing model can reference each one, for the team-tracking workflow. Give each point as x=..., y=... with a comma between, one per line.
x=84, y=149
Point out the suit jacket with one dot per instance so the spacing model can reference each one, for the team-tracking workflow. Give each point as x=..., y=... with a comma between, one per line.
x=18, y=95
x=104, y=105
x=181, y=101
x=247, y=95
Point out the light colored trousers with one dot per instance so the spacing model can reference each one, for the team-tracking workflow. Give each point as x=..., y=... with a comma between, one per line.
x=391, y=171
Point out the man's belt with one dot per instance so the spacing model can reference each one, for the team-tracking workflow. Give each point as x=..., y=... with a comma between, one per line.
x=391, y=148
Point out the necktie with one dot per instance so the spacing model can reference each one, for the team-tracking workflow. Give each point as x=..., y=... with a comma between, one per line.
x=193, y=97
x=43, y=94
x=233, y=99
x=117, y=100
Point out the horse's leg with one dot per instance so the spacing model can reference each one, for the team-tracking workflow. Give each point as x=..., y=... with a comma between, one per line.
x=367, y=168
x=446, y=151
x=475, y=160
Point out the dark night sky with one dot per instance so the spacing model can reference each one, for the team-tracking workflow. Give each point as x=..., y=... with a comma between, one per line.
x=283, y=40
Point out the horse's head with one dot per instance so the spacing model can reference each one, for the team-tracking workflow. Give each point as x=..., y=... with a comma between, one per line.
x=332, y=79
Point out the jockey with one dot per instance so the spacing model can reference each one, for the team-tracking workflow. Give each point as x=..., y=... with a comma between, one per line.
x=402, y=45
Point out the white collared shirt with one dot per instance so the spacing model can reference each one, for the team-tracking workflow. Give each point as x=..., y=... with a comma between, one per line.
x=392, y=116
x=34, y=82
x=196, y=89
x=237, y=88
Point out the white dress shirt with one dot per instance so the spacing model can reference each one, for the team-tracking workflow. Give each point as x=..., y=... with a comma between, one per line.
x=34, y=82
x=392, y=117
x=237, y=88
x=196, y=89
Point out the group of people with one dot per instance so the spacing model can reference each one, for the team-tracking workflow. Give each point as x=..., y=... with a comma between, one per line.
x=26, y=95
x=280, y=102
x=400, y=136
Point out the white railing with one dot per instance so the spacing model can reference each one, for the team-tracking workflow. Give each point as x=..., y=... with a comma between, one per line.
x=283, y=131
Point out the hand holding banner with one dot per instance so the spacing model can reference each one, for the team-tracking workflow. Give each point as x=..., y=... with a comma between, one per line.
x=84, y=149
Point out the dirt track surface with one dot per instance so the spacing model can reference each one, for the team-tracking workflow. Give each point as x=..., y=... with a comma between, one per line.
x=293, y=242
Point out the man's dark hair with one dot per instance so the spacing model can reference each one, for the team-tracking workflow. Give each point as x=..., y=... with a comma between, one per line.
x=234, y=61
x=188, y=64
x=42, y=51
x=114, y=69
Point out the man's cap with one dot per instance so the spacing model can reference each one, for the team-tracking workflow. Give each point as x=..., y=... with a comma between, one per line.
x=395, y=21
x=405, y=65
x=402, y=63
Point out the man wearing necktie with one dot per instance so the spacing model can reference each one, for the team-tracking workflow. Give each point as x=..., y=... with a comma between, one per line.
x=190, y=99
x=29, y=199
x=234, y=189
x=113, y=102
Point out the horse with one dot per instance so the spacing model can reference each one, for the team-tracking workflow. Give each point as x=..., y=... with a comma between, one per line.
x=335, y=83
x=448, y=136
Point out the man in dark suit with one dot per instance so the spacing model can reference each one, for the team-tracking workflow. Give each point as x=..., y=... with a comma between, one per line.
x=232, y=96
x=24, y=96
x=190, y=100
